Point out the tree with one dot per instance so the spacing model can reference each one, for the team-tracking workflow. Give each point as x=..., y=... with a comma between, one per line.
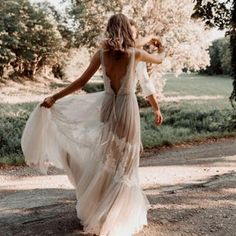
x=28, y=38
x=61, y=21
x=220, y=57
x=225, y=56
x=184, y=38
x=223, y=16
x=89, y=19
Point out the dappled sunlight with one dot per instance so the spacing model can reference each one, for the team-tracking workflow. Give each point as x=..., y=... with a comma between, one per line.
x=230, y=190
x=198, y=209
x=172, y=175
x=190, y=97
x=39, y=182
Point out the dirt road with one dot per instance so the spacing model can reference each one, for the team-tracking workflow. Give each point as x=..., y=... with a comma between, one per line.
x=191, y=190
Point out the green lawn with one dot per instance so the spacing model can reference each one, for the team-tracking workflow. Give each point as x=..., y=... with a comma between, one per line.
x=186, y=122
x=191, y=120
x=198, y=85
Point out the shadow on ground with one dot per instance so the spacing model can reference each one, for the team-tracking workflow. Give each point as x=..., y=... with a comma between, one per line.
x=44, y=212
x=206, y=209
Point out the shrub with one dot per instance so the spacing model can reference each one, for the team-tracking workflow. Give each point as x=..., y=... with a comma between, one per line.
x=181, y=124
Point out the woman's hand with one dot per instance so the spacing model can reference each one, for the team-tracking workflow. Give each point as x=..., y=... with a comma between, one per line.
x=155, y=41
x=161, y=49
x=158, y=117
x=48, y=102
x=148, y=40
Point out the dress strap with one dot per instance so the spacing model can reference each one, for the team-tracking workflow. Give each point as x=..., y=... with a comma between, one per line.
x=131, y=64
x=101, y=56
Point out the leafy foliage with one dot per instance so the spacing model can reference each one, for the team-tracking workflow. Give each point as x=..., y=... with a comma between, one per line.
x=182, y=123
x=12, y=122
x=89, y=19
x=185, y=39
x=215, y=13
x=28, y=38
x=220, y=57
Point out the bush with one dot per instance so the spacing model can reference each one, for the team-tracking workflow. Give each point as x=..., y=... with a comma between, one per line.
x=183, y=124
x=12, y=122
x=93, y=87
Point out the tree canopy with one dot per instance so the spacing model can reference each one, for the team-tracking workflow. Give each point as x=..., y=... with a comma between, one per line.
x=28, y=37
x=220, y=58
x=185, y=38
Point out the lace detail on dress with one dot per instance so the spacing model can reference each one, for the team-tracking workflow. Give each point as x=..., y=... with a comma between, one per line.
x=120, y=160
x=125, y=179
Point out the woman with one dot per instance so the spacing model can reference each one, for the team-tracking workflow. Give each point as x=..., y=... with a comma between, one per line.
x=96, y=137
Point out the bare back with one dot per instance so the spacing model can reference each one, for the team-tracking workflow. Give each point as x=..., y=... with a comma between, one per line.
x=116, y=69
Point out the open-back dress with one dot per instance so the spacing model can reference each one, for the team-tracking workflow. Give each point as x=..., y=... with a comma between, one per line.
x=96, y=139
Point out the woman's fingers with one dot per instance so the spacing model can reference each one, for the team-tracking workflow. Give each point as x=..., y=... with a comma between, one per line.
x=44, y=104
x=156, y=41
x=48, y=102
x=159, y=119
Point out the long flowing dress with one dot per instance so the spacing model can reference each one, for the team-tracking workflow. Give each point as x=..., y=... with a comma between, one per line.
x=96, y=139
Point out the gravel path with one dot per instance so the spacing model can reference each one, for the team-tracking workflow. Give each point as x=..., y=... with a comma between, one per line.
x=191, y=190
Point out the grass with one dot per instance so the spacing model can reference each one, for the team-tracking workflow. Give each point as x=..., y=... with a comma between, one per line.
x=12, y=121
x=191, y=120
x=198, y=85
x=185, y=121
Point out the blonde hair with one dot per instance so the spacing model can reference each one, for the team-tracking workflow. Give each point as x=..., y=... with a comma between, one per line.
x=118, y=35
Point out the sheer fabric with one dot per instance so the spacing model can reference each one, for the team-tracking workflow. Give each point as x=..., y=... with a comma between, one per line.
x=142, y=76
x=96, y=139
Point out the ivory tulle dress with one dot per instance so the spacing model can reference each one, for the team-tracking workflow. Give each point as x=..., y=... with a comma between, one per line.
x=96, y=139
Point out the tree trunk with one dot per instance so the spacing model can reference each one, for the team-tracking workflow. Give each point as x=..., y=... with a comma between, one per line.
x=1, y=71
x=233, y=48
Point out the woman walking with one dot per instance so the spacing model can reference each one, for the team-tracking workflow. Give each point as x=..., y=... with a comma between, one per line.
x=96, y=137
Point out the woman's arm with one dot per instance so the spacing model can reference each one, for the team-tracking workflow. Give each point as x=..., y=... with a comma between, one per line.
x=77, y=84
x=140, y=42
x=156, y=109
x=84, y=78
x=142, y=55
x=153, y=102
x=149, y=91
x=146, y=83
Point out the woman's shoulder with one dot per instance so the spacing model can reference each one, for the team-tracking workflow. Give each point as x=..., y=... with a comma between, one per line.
x=138, y=53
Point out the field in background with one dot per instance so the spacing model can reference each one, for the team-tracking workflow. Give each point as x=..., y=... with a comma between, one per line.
x=198, y=85
x=195, y=108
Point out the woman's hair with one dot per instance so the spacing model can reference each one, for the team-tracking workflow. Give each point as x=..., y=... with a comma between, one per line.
x=118, y=35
